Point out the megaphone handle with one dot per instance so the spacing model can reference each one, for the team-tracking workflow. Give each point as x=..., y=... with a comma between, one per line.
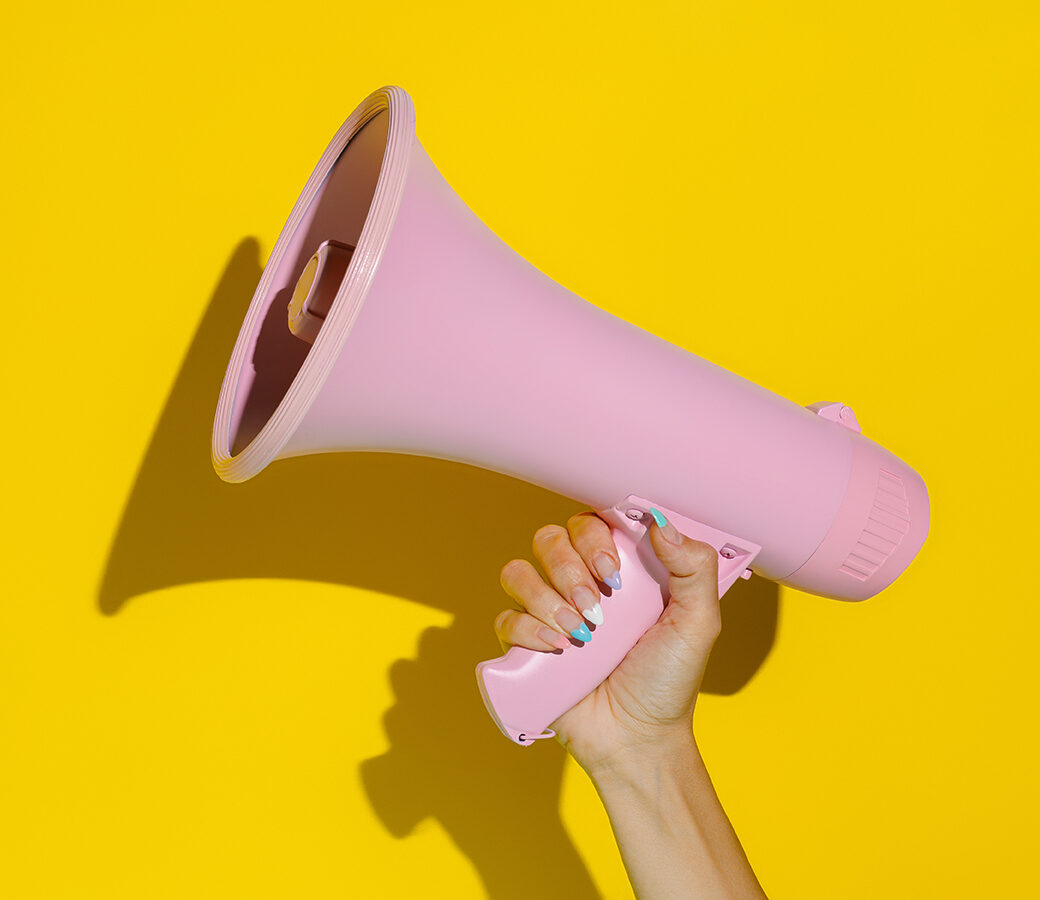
x=525, y=690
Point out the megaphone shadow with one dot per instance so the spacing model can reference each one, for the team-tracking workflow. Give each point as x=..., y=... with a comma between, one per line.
x=429, y=530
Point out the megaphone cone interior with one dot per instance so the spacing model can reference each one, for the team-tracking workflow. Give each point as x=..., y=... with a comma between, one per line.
x=324, y=261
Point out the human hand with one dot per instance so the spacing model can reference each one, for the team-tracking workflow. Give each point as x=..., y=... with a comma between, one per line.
x=645, y=707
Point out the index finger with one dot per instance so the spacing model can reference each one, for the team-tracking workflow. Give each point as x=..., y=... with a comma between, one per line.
x=590, y=536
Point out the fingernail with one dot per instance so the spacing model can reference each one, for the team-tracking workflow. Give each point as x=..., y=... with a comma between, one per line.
x=582, y=634
x=553, y=637
x=668, y=530
x=587, y=601
x=607, y=571
x=569, y=620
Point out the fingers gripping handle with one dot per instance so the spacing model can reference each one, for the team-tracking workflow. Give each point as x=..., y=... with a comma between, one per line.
x=525, y=690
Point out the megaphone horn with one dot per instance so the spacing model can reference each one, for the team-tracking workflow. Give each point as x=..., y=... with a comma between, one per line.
x=390, y=318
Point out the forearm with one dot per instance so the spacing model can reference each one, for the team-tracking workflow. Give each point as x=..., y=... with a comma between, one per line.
x=674, y=836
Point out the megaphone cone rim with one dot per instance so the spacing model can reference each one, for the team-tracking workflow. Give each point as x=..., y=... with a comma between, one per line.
x=283, y=422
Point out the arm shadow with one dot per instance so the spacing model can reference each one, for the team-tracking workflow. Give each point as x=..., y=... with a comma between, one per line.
x=182, y=525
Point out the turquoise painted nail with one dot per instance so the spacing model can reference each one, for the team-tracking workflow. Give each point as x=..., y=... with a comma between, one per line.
x=582, y=634
x=658, y=517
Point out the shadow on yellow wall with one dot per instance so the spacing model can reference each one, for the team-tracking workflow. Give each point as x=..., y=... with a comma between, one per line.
x=409, y=526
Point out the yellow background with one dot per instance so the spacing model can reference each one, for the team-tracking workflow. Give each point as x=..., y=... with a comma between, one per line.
x=836, y=200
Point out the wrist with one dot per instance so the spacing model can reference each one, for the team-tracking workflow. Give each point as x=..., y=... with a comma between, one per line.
x=648, y=762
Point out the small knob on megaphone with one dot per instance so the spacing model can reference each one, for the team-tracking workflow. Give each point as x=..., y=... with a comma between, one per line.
x=836, y=412
x=317, y=287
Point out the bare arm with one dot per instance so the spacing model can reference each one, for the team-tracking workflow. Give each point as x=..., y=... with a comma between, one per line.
x=674, y=837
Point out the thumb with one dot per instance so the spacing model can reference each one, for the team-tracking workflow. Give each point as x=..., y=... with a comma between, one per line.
x=693, y=610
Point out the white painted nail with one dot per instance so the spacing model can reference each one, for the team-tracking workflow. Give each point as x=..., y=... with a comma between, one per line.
x=594, y=615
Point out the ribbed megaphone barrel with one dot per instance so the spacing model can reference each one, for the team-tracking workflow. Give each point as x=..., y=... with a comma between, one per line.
x=431, y=336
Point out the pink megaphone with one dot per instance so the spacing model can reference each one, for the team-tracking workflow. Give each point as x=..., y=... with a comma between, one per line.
x=389, y=318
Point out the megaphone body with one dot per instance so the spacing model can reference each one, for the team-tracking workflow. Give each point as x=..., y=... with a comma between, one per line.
x=416, y=330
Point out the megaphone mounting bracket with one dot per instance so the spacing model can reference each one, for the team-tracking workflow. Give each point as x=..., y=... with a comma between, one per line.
x=736, y=554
